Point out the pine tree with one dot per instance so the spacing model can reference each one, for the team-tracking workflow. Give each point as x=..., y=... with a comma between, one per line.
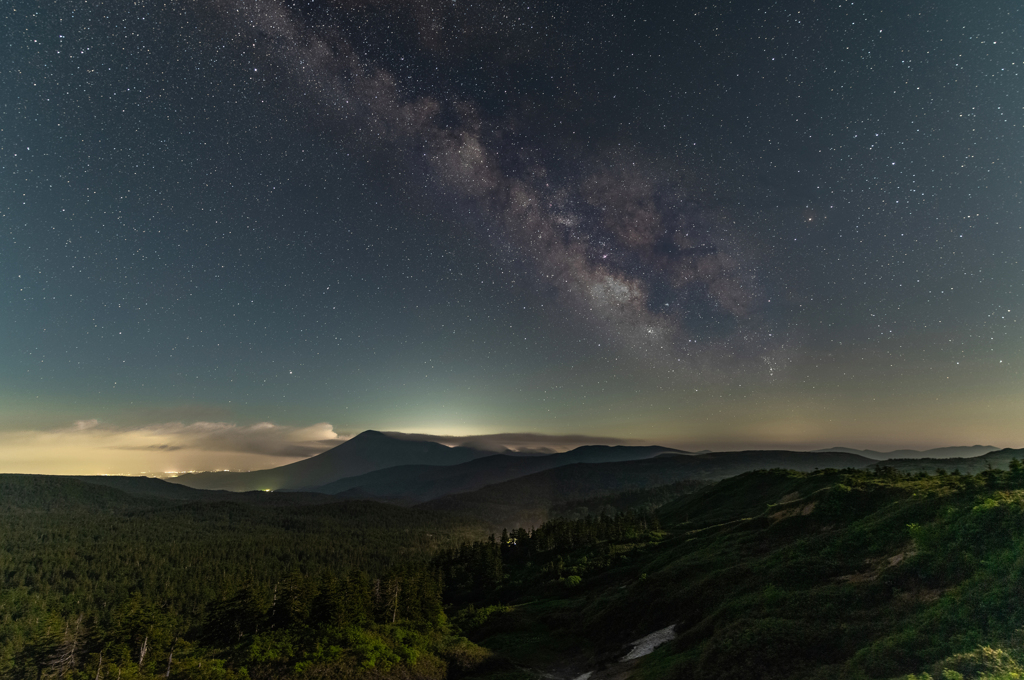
x=63, y=658
x=1016, y=474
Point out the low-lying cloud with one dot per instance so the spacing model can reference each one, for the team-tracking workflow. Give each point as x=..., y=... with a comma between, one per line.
x=92, y=447
x=521, y=442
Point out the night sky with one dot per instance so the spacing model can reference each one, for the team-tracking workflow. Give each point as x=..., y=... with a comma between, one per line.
x=233, y=233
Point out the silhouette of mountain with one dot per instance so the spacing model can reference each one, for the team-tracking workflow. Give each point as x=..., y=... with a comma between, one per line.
x=363, y=453
x=417, y=483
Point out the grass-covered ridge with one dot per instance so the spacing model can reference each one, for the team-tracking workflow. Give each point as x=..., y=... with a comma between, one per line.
x=779, y=574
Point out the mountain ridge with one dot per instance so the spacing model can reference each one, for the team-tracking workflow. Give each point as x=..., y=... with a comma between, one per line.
x=526, y=501
x=419, y=483
x=936, y=453
x=374, y=464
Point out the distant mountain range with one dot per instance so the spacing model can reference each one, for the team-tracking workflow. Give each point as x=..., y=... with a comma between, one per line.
x=503, y=489
x=376, y=466
x=999, y=459
x=943, y=452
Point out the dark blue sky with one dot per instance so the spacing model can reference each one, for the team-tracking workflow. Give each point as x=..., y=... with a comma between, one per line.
x=692, y=223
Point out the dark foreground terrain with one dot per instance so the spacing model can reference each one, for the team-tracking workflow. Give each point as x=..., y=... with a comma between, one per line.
x=770, y=574
x=774, y=574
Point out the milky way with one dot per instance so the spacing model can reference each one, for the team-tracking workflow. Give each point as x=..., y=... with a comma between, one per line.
x=629, y=248
x=698, y=224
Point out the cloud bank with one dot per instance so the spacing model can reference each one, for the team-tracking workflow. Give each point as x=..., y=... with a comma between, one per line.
x=92, y=447
x=521, y=442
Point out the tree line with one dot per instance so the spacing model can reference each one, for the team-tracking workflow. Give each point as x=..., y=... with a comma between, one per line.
x=328, y=625
x=560, y=550
x=98, y=583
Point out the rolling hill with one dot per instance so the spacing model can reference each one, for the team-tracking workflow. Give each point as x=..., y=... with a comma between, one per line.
x=410, y=484
x=527, y=501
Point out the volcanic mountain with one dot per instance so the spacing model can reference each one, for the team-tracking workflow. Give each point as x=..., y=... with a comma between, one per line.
x=366, y=452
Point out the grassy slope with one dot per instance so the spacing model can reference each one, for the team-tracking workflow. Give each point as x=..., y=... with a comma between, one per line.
x=779, y=574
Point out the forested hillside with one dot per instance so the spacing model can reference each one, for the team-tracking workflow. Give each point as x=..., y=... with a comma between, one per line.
x=263, y=584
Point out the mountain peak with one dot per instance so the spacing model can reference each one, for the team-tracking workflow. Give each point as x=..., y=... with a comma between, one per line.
x=367, y=451
x=369, y=434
